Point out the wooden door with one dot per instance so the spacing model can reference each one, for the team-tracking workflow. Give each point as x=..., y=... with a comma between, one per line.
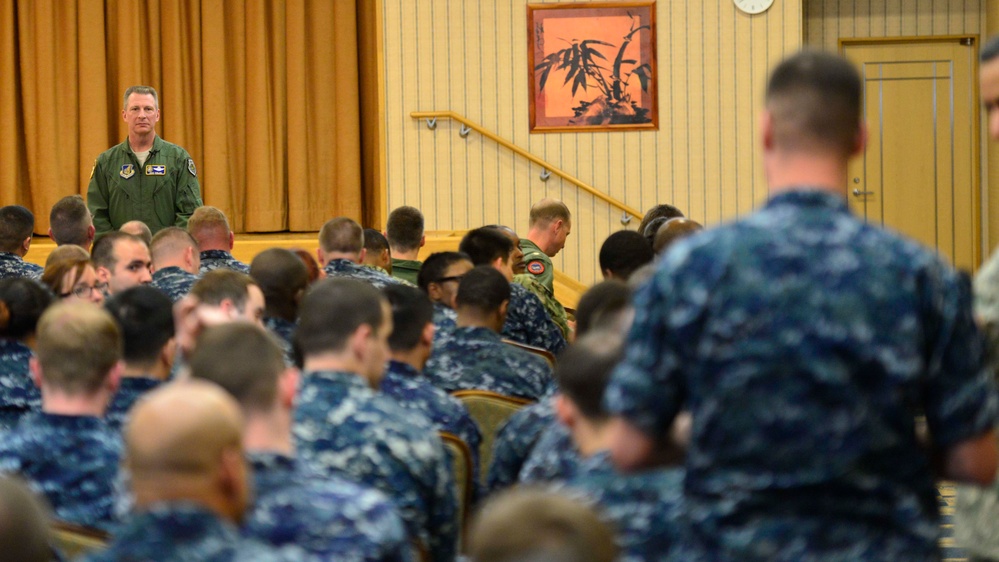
x=919, y=174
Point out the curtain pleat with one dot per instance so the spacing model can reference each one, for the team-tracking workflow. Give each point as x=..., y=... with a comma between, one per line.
x=262, y=93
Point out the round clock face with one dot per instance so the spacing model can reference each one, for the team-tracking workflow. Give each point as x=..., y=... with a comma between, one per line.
x=753, y=6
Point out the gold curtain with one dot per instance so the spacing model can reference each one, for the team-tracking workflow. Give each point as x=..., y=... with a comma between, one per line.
x=262, y=93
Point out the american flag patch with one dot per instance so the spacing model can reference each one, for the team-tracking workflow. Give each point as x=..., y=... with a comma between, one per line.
x=155, y=170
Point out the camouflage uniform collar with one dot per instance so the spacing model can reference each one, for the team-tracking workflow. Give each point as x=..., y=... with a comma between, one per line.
x=402, y=369
x=809, y=197
x=5, y=256
x=139, y=383
x=477, y=332
x=345, y=378
x=76, y=423
x=181, y=519
x=216, y=254
x=8, y=345
x=171, y=270
x=271, y=461
x=599, y=462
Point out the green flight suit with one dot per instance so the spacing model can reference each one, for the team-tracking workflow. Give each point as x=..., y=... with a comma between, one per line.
x=538, y=264
x=407, y=270
x=162, y=192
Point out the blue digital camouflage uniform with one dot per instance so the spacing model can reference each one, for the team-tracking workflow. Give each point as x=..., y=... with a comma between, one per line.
x=13, y=266
x=528, y=322
x=129, y=391
x=331, y=518
x=73, y=460
x=221, y=259
x=514, y=442
x=977, y=509
x=344, y=428
x=284, y=332
x=174, y=282
x=346, y=268
x=477, y=358
x=554, y=457
x=406, y=386
x=186, y=532
x=804, y=342
x=445, y=321
x=18, y=393
x=645, y=509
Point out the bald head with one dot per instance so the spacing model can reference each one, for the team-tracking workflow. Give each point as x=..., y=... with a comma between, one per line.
x=138, y=229
x=183, y=443
x=672, y=231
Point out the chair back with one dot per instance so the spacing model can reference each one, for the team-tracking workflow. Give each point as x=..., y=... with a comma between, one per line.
x=540, y=352
x=464, y=477
x=75, y=541
x=490, y=410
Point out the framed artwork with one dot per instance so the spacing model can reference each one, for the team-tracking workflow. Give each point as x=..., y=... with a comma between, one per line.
x=592, y=66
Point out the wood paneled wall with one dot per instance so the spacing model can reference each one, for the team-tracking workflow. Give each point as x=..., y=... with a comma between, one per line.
x=470, y=57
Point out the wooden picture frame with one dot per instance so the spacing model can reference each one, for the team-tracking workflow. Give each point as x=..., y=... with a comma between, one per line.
x=592, y=66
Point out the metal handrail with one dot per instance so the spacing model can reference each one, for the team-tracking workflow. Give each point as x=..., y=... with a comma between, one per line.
x=431, y=117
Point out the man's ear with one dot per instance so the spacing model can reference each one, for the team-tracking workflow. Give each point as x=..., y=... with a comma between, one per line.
x=288, y=387
x=36, y=371
x=362, y=255
x=321, y=256
x=26, y=244
x=565, y=411
x=168, y=353
x=860, y=142
x=427, y=336
x=423, y=240
x=434, y=292
x=103, y=274
x=113, y=380
x=767, y=129
x=232, y=240
x=359, y=340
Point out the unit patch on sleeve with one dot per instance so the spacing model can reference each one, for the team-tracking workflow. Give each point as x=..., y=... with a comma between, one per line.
x=536, y=267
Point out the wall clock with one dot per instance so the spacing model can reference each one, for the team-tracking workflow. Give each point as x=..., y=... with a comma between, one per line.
x=753, y=6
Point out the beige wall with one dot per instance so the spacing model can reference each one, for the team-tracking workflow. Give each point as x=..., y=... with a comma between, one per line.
x=828, y=21
x=470, y=57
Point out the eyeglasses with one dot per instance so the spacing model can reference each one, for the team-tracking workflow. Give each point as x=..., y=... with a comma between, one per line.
x=84, y=291
x=456, y=278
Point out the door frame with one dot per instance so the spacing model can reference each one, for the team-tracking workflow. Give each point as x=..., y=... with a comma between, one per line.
x=980, y=251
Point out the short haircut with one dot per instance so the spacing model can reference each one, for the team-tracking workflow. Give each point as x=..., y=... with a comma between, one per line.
x=663, y=210
x=243, y=359
x=207, y=222
x=138, y=229
x=585, y=368
x=990, y=49
x=332, y=311
x=341, y=234
x=78, y=344
x=70, y=221
x=23, y=301
x=405, y=228
x=814, y=99
x=280, y=274
x=103, y=254
x=171, y=242
x=55, y=272
x=623, y=252
x=411, y=312
x=483, y=245
x=223, y=284
x=16, y=225
x=141, y=90
x=672, y=231
x=374, y=241
x=483, y=289
x=145, y=318
x=548, y=210
x=530, y=525
x=24, y=523
x=435, y=266
x=601, y=306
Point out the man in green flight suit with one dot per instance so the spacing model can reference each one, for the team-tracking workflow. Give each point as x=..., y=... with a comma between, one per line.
x=145, y=177
x=550, y=224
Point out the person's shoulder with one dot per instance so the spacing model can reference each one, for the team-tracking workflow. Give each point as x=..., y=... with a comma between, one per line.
x=166, y=146
x=113, y=151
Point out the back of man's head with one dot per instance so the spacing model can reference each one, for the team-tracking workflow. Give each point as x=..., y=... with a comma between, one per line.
x=547, y=210
x=341, y=235
x=184, y=444
x=223, y=284
x=483, y=289
x=174, y=246
x=16, y=226
x=210, y=227
x=376, y=250
x=622, y=253
x=411, y=312
x=70, y=222
x=605, y=306
x=77, y=346
x=435, y=266
x=663, y=210
x=103, y=253
x=814, y=100
x=584, y=369
x=242, y=359
x=24, y=523
x=484, y=245
x=530, y=525
x=332, y=311
x=22, y=303
x=283, y=278
x=405, y=229
x=138, y=229
x=673, y=231
x=145, y=318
